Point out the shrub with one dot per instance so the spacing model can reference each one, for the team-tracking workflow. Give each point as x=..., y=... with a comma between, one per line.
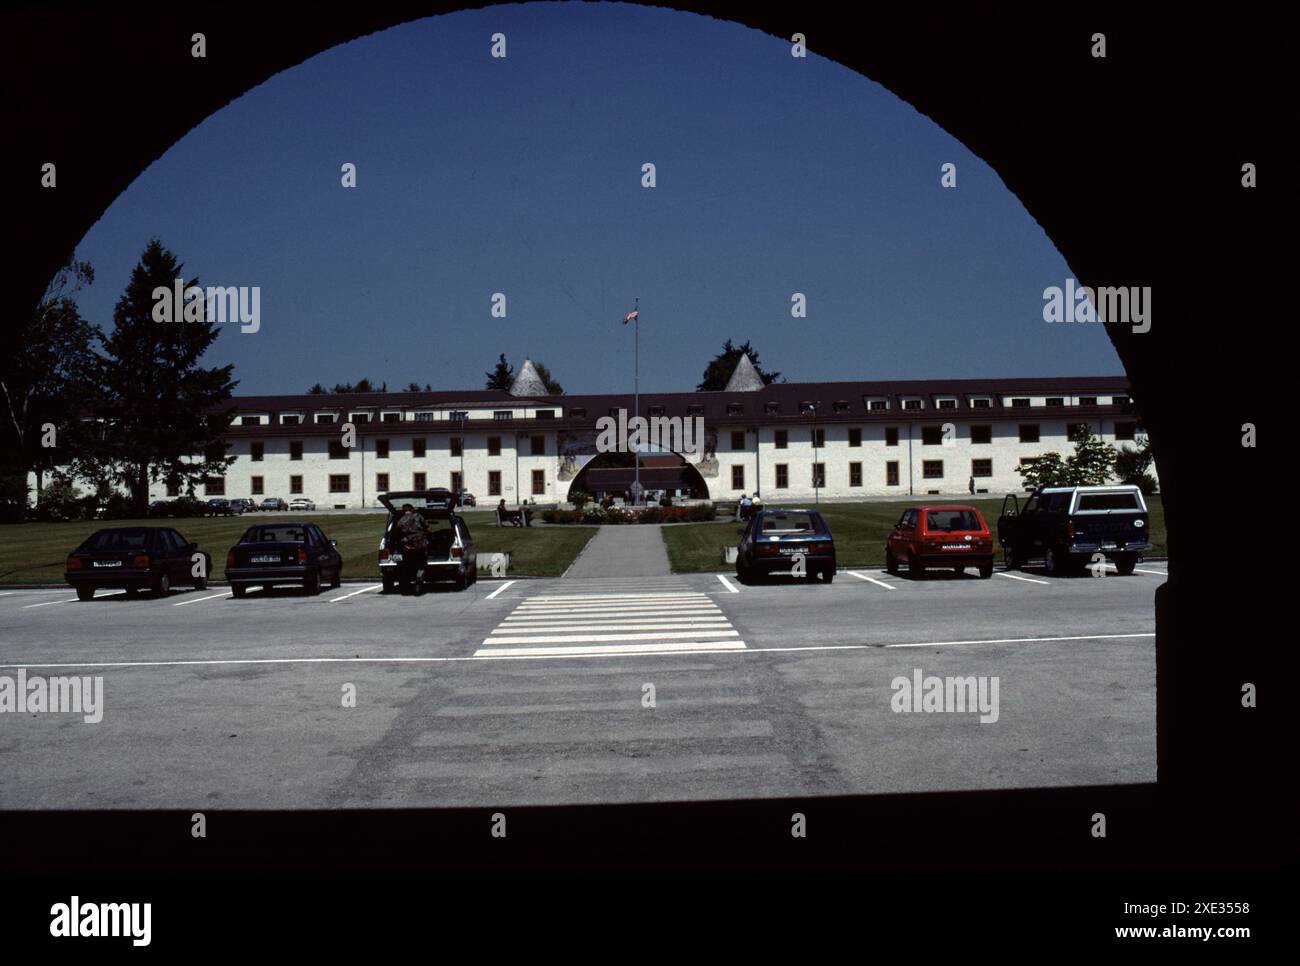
x=58, y=500
x=650, y=514
x=579, y=498
x=665, y=501
x=701, y=512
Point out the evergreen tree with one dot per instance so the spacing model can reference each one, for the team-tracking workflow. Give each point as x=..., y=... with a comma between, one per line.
x=502, y=376
x=552, y=386
x=720, y=367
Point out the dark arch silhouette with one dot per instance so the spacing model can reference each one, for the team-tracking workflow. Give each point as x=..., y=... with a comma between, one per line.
x=613, y=472
x=1123, y=162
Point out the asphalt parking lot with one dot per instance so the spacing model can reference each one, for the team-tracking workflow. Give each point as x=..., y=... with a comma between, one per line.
x=579, y=691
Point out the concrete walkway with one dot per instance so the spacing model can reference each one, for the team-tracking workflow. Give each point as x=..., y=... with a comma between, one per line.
x=634, y=550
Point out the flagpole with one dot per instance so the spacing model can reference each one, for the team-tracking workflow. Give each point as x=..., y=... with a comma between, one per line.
x=636, y=383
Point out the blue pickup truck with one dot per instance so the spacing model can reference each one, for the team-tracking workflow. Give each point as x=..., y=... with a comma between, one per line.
x=1066, y=525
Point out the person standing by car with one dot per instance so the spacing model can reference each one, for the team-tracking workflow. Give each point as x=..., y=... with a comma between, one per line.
x=757, y=502
x=746, y=506
x=415, y=546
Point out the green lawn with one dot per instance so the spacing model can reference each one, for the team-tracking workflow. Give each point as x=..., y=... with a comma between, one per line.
x=34, y=553
x=859, y=529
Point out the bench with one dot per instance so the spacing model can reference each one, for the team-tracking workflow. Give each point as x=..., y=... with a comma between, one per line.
x=514, y=518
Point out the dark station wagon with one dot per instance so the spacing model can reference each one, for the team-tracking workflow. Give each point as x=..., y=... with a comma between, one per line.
x=774, y=540
x=283, y=553
x=450, y=548
x=136, y=558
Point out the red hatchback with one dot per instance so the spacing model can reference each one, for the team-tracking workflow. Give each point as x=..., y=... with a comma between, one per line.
x=940, y=537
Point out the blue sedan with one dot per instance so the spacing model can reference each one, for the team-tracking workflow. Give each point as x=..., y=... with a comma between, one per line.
x=283, y=553
x=786, y=541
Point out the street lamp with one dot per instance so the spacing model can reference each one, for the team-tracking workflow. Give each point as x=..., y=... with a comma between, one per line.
x=817, y=493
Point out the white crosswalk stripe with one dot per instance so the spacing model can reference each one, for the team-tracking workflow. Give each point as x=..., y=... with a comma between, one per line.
x=649, y=622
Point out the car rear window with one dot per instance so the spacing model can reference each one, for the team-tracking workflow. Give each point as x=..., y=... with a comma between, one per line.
x=948, y=521
x=1109, y=501
x=113, y=540
x=795, y=522
x=275, y=535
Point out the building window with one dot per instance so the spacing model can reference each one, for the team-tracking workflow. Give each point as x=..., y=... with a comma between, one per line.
x=1020, y=403
x=250, y=420
x=737, y=477
x=1055, y=401
x=419, y=447
x=502, y=415
x=782, y=438
x=1125, y=430
x=455, y=482
x=392, y=417
x=737, y=439
x=806, y=408
x=424, y=417
x=1119, y=400
x=214, y=486
x=891, y=435
x=981, y=468
x=931, y=435
x=338, y=451
x=911, y=404
x=360, y=417
x=255, y=485
x=547, y=414
x=855, y=436
x=818, y=438
x=457, y=446
x=841, y=406
x=819, y=474
x=855, y=474
x=735, y=409
x=1029, y=432
x=947, y=404
x=879, y=405
x=982, y=403
x=537, y=445
x=340, y=483
x=494, y=483
x=782, y=476
x=295, y=451
x=293, y=420
x=981, y=434
x=458, y=415
x=419, y=481
x=494, y=445
x=932, y=469
x=381, y=482
x=1074, y=429
x=891, y=473
x=323, y=419
x=381, y=449
x=539, y=482
x=772, y=408
x=1087, y=400
x=295, y=484
x=256, y=452
x=695, y=410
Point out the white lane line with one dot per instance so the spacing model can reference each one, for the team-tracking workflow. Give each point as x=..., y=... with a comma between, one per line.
x=726, y=583
x=878, y=583
x=611, y=650
x=492, y=595
x=1018, y=577
x=47, y=603
x=1158, y=573
x=719, y=647
x=1025, y=640
x=196, y=600
x=581, y=638
x=354, y=593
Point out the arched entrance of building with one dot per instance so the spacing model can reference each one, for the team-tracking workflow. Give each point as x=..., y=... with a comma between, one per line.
x=662, y=474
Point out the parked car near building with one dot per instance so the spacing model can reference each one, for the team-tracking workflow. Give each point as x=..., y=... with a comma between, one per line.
x=449, y=554
x=283, y=553
x=218, y=507
x=274, y=503
x=774, y=540
x=301, y=503
x=939, y=537
x=240, y=505
x=135, y=558
x=1068, y=525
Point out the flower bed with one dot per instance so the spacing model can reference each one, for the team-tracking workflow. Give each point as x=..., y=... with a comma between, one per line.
x=590, y=514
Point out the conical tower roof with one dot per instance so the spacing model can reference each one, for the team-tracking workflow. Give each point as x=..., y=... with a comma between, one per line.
x=527, y=381
x=745, y=377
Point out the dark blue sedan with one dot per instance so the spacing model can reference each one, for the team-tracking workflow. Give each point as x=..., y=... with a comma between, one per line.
x=283, y=553
x=786, y=541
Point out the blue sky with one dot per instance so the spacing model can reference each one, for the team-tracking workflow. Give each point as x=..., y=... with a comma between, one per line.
x=477, y=175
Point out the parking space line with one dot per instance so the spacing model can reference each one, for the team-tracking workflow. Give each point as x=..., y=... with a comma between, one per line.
x=66, y=600
x=354, y=593
x=492, y=595
x=726, y=583
x=1026, y=579
x=1025, y=640
x=1158, y=573
x=878, y=583
x=196, y=600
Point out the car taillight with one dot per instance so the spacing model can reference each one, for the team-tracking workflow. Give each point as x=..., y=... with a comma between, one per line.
x=456, y=551
x=74, y=563
x=230, y=558
x=302, y=555
x=383, y=554
x=820, y=548
x=768, y=549
x=140, y=562
x=1069, y=529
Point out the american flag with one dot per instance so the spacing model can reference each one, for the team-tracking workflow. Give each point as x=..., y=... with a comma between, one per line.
x=629, y=317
